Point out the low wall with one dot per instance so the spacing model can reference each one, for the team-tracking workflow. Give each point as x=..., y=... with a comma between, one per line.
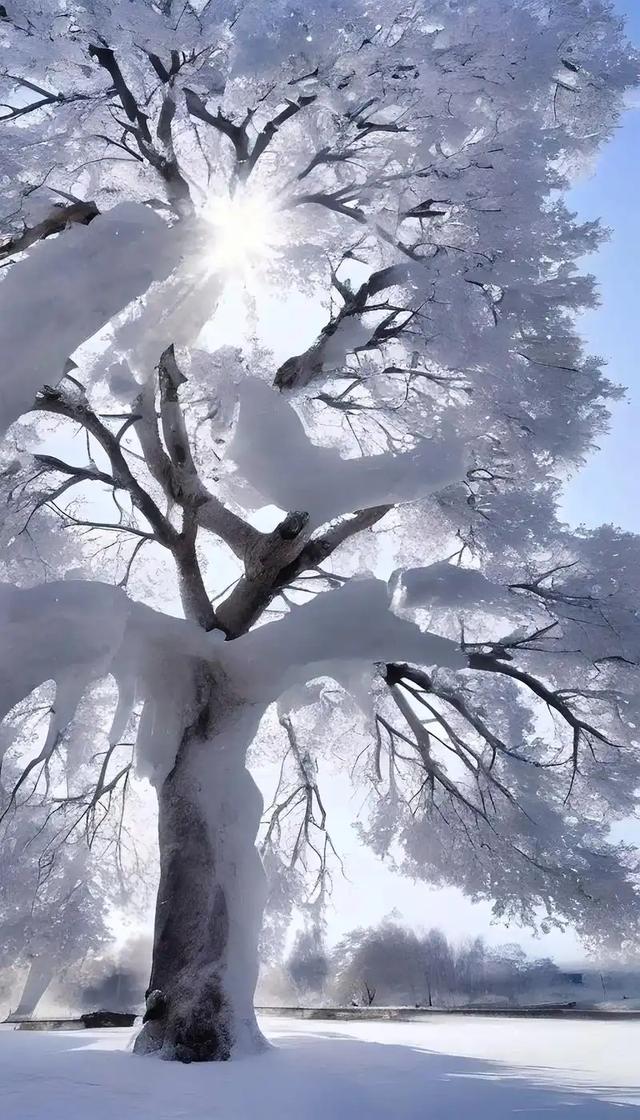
x=412, y=1015
x=354, y=1014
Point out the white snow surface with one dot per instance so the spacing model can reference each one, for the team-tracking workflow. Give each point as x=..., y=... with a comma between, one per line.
x=447, y=1068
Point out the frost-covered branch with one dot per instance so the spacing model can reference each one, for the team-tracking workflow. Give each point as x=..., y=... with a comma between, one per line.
x=346, y=333
x=296, y=820
x=60, y=216
x=247, y=152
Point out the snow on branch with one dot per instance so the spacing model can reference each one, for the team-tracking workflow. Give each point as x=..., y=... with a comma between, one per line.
x=76, y=632
x=353, y=623
x=448, y=585
x=348, y=332
x=275, y=456
x=58, y=217
x=67, y=288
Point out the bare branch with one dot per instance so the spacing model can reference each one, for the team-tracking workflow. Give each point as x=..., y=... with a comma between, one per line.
x=55, y=401
x=247, y=154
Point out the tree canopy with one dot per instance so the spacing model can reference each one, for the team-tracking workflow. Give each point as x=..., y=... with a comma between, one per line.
x=375, y=480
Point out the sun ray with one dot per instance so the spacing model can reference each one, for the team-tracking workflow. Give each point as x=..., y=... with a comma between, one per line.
x=245, y=230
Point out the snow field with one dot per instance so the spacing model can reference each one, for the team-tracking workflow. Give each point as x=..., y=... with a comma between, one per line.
x=447, y=1070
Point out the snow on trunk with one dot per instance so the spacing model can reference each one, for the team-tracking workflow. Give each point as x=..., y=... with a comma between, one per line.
x=38, y=979
x=211, y=894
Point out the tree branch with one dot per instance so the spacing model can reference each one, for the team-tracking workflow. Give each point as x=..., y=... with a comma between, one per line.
x=55, y=401
x=164, y=162
x=247, y=155
x=60, y=216
x=299, y=370
x=176, y=472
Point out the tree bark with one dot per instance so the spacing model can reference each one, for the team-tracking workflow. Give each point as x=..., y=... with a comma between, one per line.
x=38, y=979
x=211, y=893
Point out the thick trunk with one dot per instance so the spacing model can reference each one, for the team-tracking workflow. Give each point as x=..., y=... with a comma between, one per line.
x=38, y=979
x=211, y=895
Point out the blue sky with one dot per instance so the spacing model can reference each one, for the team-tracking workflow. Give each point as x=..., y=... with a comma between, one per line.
x=606, y=490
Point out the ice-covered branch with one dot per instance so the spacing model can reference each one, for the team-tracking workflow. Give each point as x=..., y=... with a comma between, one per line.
x=275, y=456
x=347, y=333
x=106, y=265
x=353, y=623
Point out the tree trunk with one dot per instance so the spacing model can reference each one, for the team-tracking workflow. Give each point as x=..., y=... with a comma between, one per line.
x=38, y=979
x=211, y=894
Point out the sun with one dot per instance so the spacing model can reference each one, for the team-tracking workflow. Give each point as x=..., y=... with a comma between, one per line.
x=244, y=228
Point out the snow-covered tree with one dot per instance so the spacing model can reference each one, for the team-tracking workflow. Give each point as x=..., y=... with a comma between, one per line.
x=290, y=296
x=56, y=889
x=384, y=965
x=307, y=965
x=438, y=965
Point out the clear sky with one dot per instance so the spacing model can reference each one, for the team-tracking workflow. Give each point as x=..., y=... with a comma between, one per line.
x=606, y=490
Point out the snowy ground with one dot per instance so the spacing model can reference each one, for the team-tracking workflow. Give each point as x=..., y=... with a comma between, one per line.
x=451, y=1069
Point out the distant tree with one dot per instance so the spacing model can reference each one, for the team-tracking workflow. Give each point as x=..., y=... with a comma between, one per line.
x=504, y=971
x=307, y=965
x=385, y=964
x=438, y=965
x=470, y=968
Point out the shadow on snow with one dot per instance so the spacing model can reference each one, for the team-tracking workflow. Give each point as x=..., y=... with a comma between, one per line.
x=313, y=1076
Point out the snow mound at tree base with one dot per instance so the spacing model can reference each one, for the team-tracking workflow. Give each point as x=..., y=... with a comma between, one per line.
x=484, y=1068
